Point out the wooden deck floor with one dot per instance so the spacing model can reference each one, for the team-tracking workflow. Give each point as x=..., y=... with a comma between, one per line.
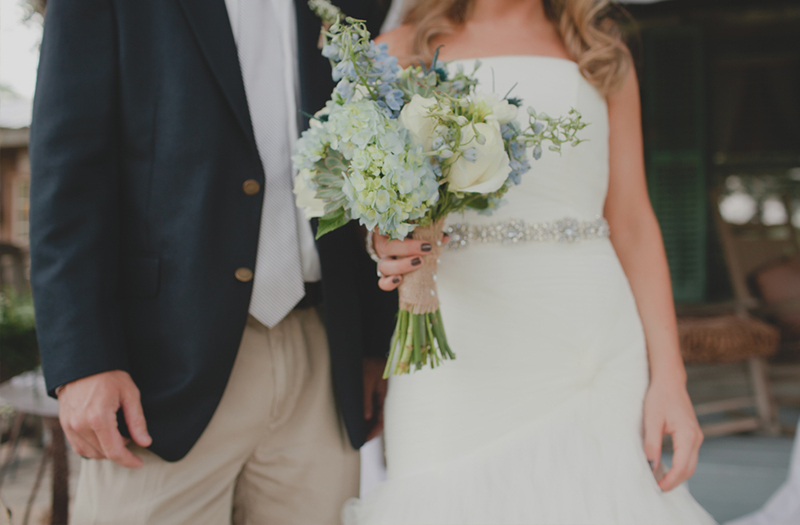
x=735, y=476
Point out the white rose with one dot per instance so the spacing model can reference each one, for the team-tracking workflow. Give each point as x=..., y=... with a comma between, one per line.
x=415, y=117
x=491, y=167
x=306, y=197
x=501, y=110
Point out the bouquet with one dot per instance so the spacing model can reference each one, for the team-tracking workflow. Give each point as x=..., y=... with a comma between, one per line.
x=400, y=149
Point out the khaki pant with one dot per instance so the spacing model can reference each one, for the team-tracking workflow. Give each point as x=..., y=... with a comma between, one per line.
x=275, y=452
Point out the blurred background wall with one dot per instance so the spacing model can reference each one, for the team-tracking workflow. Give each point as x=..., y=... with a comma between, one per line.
x=720, y=84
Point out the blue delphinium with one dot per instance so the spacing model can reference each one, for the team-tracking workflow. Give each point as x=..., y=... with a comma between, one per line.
x=385, y=65
x=470, y=154
x=517, y=150
x=345, y=89
x=346, y=70
x=332, y=51
x=391, y=98
x=360, y=62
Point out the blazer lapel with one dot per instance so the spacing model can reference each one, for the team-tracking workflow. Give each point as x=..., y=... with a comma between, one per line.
x=212, y=30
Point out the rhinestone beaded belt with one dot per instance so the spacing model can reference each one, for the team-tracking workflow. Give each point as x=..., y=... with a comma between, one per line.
x=514, y=231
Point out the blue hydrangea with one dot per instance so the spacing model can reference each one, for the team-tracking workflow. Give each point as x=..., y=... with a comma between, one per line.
x=390, y=182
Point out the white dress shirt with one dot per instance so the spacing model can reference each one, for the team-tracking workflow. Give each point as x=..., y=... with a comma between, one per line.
x=285, y=23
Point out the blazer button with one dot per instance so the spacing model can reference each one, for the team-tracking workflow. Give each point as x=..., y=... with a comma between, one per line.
x=251, y=187
x=244, y=275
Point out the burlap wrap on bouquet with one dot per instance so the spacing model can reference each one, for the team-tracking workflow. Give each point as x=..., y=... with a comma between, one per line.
x=418, y=292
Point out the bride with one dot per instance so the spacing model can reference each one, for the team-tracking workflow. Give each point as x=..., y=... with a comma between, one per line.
x=568, y=372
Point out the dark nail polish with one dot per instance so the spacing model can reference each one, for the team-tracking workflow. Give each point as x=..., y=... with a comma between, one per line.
x=416, y=261
x=426, y=247
x=396, y=279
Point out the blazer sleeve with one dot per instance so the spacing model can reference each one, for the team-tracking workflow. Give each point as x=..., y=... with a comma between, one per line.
x=379, y=308
x=74, y=208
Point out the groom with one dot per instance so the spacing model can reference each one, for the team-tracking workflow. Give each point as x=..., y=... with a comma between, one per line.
x=175, y=286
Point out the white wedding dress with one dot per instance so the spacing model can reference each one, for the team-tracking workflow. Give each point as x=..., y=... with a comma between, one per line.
x=538, y=421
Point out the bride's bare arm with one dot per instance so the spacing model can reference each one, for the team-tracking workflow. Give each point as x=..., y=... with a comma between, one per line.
x=636, y=235
x=637, y=240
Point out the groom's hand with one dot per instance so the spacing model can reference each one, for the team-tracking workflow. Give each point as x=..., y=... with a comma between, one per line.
x=87, y=409
x=374, y=394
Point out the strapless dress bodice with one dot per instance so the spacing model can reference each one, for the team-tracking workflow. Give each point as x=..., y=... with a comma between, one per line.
x=572, y=184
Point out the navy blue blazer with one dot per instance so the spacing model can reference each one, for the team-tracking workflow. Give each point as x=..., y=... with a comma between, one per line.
x=140, y=145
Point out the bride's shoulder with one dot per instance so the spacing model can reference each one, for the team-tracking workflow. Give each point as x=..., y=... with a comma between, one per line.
x=400, y=41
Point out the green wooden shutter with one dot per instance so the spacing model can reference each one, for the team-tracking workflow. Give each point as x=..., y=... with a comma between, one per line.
x=674, y=118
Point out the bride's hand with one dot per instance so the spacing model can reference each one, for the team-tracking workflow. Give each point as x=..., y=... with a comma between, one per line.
x=397, y=258
x=668, y=410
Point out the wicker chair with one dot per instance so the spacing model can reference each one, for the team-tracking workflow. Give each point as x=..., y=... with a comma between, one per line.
x=731, y=339
x=729, y=333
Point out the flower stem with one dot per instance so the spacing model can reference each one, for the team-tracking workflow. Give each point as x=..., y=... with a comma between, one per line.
x=419, y=340
x=395, y=342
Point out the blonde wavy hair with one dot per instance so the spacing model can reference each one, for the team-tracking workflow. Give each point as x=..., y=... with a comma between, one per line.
x=589, y=29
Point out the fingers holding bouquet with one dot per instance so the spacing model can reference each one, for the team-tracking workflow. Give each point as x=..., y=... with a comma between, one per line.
x=397, y=258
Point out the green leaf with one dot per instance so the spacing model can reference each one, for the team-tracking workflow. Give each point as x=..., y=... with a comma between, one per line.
x=332, y=221
x=334, y=160
x=333, y=205
x=479, y=204
x=328, y=194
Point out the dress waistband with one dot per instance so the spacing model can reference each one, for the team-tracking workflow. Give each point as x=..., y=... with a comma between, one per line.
x=514, y=231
